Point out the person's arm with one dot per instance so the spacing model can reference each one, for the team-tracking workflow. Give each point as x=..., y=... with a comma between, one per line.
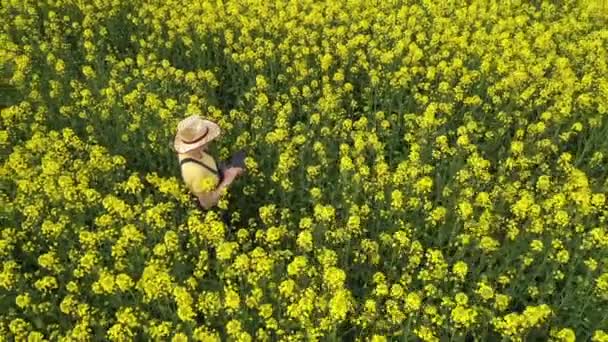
x=210, y=199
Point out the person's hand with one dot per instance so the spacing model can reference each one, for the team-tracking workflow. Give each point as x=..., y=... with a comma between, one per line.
x=231, y=173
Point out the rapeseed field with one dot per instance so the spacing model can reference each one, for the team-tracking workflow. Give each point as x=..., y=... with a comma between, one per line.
x=417, y=170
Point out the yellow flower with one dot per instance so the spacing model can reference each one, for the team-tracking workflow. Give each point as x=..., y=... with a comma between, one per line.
x=397, y=199
x=203, y=334
x=460, y=269
x=334, y=278
x=465, y=210
x=184, y=304
x=563, y=256
x=378, y=338
x=413, y=302
x=35, y=336
x=60, y=66
x=599, y=336
x=297, y=266
x=488, y=244
x=324, y=213
x=426, y=334
x=225, y=250
x=424, y=185
x=155, y=282
x=106, y=282
x=46, y=284
x=159, y=330
x=601, y=286
x=463, y=317
x=565, y=335
x=501, y=302
x=340, y=305
x=305, y=240
x=23, y=300
x=326, y=61
x=179, y=337
x=287, y=288
x=536, y=245
x=205, y=184
x=485, y=291
x=232, y=300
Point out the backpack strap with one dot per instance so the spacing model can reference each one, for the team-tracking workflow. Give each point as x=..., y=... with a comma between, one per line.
x=192, y=160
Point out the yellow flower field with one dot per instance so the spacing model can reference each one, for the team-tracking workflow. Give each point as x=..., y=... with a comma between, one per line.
x=417, y=170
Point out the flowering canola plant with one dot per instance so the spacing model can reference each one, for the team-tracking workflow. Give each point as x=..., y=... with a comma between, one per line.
x=417, y=170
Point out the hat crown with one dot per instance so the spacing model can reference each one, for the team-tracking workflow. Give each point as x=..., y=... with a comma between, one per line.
x=194, y=131
x=191, y=128
x=190, y=133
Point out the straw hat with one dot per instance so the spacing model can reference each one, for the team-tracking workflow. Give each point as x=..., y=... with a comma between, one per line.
x=194, y=132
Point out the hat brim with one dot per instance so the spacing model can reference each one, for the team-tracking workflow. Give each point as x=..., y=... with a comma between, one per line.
x=183, y=147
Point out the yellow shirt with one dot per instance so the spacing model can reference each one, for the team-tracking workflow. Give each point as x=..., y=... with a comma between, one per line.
x=199, y=178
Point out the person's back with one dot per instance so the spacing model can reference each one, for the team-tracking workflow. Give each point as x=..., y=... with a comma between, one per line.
x=199, y=174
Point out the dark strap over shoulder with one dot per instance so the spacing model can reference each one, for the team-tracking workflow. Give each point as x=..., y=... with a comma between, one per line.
x=192, y=160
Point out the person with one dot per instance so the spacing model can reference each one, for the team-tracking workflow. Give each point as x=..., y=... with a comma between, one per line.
x=202, y=175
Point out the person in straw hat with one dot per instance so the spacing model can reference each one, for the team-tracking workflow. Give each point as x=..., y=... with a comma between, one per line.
x=202, y=175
